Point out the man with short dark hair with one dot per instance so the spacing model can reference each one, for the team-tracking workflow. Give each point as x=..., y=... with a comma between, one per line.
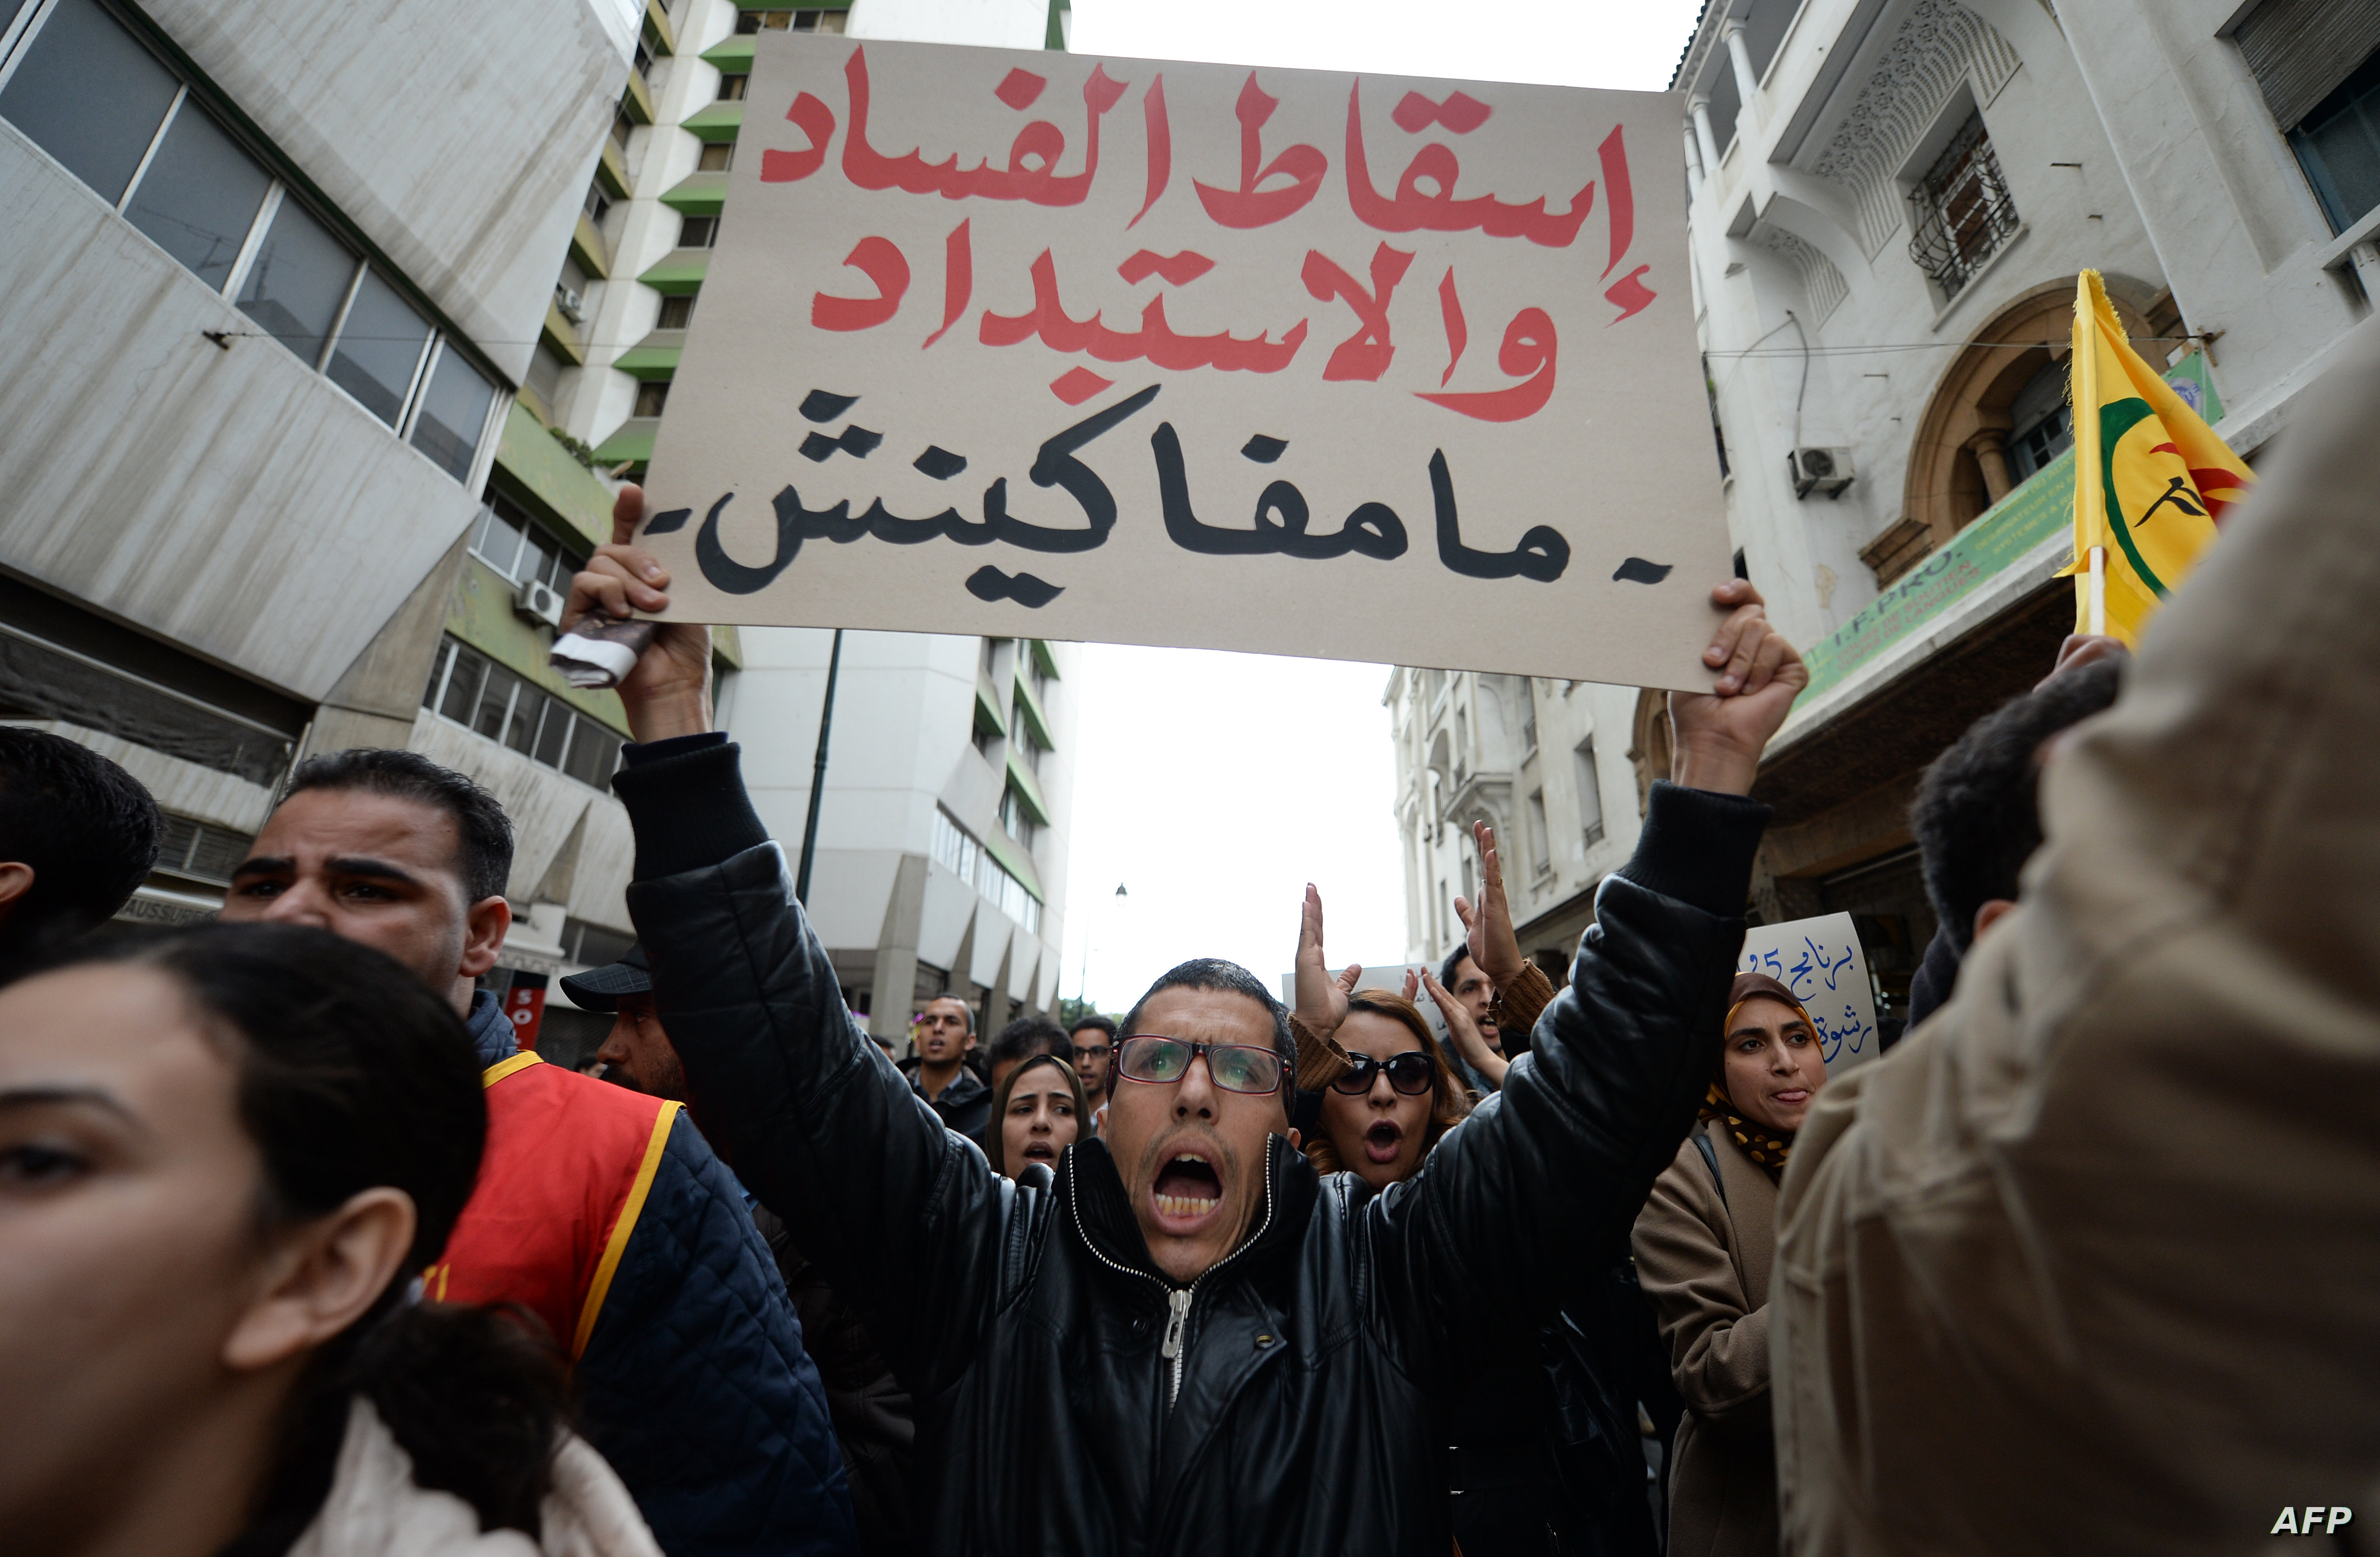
x=1188, y=1341
x=1094, y=1044
x=76, y=836
x=1460, y=977
x=1977, y=815
x=601, y=1211
x=944, y=1033
x=1021, y=1041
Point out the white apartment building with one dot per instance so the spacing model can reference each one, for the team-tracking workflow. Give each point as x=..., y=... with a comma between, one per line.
x=1890, y=202
x=1547, y=764
x=940, y=855
x=273, y=273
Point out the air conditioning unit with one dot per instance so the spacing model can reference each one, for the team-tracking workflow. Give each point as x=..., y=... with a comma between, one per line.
x=572, y=304
x=538, y=602
x=1826, y=470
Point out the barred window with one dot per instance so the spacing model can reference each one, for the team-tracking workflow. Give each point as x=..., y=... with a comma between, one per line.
x=1960, y=212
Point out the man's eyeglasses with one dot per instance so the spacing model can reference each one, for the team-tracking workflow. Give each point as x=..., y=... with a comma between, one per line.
x=1410, y=1073
x=1236, y=1067
x=1085, y=1054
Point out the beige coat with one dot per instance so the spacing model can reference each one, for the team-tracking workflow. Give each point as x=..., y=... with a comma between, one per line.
x=2091, y=1263
x=1704, y=1262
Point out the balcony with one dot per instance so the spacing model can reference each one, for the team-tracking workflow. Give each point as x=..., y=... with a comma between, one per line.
x=655, y=357
x=632, y=443
x=697, y=194
x=717, y=123
x=588, y=250
x=679, y=273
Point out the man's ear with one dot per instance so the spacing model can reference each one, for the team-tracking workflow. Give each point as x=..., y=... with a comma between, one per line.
x=322, y=1278
x=1990, y=914
x=15, y=880
x=483, y=935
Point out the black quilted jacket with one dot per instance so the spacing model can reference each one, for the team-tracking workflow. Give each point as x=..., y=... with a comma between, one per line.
x=1304, y=1412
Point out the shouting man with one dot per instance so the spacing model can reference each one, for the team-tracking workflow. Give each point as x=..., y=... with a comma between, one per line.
x=1187, y=1340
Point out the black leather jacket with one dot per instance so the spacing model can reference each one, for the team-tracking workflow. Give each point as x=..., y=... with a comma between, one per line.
x=1293, y=1399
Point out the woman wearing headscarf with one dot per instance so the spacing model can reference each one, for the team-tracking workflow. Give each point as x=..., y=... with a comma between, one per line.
x=1704, y=1244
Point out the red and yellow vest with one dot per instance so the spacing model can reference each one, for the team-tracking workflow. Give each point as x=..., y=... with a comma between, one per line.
x=568, y=1163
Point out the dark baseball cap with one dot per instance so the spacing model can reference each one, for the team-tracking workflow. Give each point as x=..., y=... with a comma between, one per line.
x=600, y=989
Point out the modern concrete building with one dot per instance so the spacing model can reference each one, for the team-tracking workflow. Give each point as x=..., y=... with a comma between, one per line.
x=1890, y=202
x=940, y=862
x=274, y=276
x=1546, y=763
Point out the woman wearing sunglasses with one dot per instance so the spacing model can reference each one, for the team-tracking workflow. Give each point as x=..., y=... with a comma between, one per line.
x=1382, y=1117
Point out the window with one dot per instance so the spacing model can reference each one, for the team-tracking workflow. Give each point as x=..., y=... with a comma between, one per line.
x=676, y=314
x=469, y=688
x=644, y=60
x=813, y=20
x=298, y=281
x=1961, y=212
x=200, y=851
x=621, y=125
x=89, y=95
x=1541, y=855
x=983, y=739
x=697, y=232
x=545, y=374
x=2042, y=425
x=716, y=156
x=1590, y=794
x=380, y=348
x=651, y=398
x=93, y=96
x=1012, y=820
x=199, y=196
x=452, y=415
x=599, y=204
x=2339, y=145
x=731, y=88
x=955, y=850
x=521, y=549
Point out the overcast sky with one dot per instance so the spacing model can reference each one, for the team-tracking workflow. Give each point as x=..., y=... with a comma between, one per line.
x=1214, y=786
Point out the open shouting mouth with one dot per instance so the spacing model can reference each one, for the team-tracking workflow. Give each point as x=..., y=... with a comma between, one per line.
x=1189, y=1190
x=1384, y=1140
x=1040, y=1151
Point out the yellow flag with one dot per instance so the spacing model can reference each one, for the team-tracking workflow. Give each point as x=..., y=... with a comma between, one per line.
x=2151, y=480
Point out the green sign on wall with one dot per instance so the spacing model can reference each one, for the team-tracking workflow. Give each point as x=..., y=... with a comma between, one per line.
x=2039, y=509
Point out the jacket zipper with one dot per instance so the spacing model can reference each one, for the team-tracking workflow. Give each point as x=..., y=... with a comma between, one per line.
x=1177, y=1299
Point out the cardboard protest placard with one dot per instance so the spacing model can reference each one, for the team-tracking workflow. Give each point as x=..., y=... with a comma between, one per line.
x=1821, y=961
x=1368, y=368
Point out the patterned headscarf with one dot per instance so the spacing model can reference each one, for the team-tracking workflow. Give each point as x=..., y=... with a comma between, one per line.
x=1767, y=1147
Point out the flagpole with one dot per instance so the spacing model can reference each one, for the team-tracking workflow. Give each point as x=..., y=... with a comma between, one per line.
x=2098, y=590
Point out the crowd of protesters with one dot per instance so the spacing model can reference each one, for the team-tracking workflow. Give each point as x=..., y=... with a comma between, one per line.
x=300, y=1252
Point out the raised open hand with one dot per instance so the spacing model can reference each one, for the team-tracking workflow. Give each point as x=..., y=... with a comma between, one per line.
x=1321, y=994
x=1722, y=733
x=1495, y=949
x=668, y=693
x=1468, y=1043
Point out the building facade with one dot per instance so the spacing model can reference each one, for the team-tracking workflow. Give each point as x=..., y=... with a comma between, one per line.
x=1891, y=203
x=940, y=848
x=276, y=274
x=1544, y=762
